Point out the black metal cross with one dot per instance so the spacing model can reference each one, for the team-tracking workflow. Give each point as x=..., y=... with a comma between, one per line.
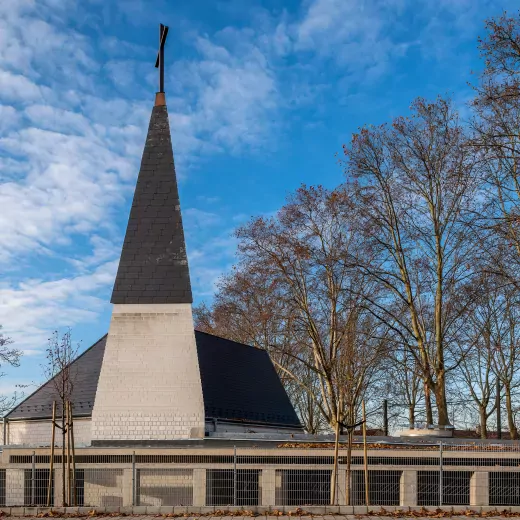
x=159, y=62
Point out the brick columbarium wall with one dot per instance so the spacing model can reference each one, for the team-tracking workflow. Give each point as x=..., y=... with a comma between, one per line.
x=128, y=407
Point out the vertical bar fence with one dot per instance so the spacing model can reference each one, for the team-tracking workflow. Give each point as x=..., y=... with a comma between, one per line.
x=440, y=474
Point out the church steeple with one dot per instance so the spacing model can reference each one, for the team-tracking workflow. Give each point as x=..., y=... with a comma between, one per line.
x=154, y=265
x=149, y=386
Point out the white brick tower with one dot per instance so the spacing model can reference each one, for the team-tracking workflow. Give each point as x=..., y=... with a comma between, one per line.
x=149, y=387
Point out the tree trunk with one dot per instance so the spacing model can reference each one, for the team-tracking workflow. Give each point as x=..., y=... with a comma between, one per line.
x=428, y=405
x=63, y=470
x=483, y=422
x=513, y=431
x=334, y=483
x=440, y=397
x=411, y=415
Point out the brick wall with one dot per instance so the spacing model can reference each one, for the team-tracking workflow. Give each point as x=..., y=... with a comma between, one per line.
x=149, y=386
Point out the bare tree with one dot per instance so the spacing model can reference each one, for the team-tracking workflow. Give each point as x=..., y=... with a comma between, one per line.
x=249, y=308
x=406, y=382
x=497, y=125
x=505, y=347
x=416, y=185
x=11, y=357
x=306, y=252
x=60, y=371
x=291, y=294
x=476, y=342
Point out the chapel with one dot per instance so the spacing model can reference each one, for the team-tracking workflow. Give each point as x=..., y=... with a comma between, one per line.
x=153, y=379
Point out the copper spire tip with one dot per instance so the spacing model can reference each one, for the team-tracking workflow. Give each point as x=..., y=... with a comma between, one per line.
x=160, y=99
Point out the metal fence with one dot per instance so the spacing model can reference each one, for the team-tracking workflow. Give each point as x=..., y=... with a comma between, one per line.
x=394, y=475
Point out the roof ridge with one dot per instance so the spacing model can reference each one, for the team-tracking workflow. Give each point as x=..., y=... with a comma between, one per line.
x=231, y=341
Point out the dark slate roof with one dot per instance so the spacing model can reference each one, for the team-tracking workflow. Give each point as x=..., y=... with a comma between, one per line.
x=154, y=267
x=239, y=383
x=85, y=370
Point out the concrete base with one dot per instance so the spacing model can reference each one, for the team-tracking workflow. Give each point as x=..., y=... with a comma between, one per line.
x=426, y=432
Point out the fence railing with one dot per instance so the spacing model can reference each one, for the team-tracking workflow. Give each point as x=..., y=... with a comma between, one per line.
x=397, y=475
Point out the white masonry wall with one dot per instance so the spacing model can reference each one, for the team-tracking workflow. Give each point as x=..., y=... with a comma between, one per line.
x=38, y=433
x=149, y=387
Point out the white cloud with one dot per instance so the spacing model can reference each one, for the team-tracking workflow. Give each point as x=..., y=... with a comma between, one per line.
x=15, y=87
x=356, y=35
x=196, y=219
x=47, y=117
x=103, y=250
x=71, y=184
x=33, y=307
x=9, y=118
x=225, y=100
x=209, y=259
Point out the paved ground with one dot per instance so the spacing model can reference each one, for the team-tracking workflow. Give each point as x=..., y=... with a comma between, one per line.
x=507, y=514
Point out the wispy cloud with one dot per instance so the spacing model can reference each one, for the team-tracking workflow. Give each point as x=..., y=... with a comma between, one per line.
x=34, y=307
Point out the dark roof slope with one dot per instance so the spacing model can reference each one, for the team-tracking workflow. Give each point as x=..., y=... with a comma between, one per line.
x=238, y=383
x=154, y=267
x=85, y=370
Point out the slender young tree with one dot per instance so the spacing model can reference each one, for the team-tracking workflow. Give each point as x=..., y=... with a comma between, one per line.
x=59, y=370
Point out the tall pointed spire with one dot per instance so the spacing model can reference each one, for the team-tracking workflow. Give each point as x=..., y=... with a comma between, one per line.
x=151, y=330
x=154, y=265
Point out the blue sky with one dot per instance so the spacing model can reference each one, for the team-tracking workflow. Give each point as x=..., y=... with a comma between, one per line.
x=261, y=96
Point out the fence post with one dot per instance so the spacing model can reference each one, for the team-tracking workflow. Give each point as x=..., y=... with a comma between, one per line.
x=385, y=417
x=133, y=479
x=33, y=478
x=440, y=473
x=234, y=475
x=497, y=404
